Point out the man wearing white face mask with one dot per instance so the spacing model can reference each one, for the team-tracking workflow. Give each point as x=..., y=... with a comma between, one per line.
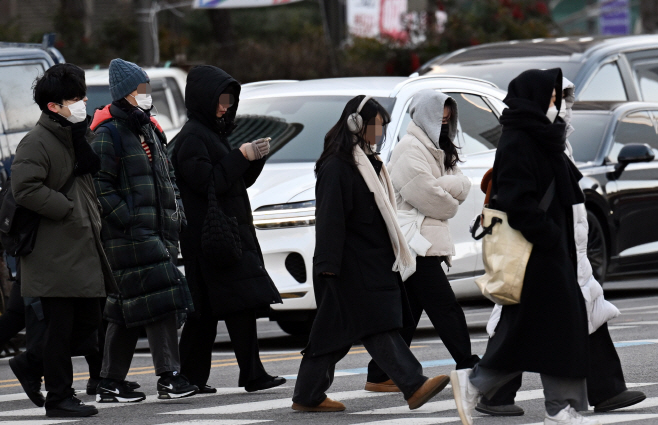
x=142, y=215
x=67, y=270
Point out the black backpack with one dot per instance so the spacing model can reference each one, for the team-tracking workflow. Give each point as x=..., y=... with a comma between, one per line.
x=19, y=225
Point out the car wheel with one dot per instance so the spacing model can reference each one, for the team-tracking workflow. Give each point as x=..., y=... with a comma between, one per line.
x=296, y=327
x=597, y=251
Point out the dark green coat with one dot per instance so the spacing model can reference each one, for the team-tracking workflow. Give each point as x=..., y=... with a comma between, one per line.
x=68, y=258
x=142, y=216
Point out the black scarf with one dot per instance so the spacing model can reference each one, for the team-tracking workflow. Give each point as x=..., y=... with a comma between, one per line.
x=86, y=160
x=528, y=99
x=137, y=117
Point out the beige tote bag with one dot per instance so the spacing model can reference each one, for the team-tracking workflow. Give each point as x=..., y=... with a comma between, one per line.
x=505, y=254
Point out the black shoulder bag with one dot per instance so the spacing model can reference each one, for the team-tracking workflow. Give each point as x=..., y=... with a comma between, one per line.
x=220, y=235
x=19, y=225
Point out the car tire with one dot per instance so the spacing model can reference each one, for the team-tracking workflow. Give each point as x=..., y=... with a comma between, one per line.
x=296, y=327
x=597, y=251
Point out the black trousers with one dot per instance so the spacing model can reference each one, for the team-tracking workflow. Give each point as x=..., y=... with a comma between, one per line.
x=428, y=289
x=316, y=374
x=12, y=320
x=605, y=378
x=69, y=323
x=198, y=338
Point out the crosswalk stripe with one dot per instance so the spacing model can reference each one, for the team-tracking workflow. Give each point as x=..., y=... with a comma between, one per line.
x=39, y=422
x=219, y=422
x=412, y=421
x=635, y=343
x=613, y=418
x=36, y=411
x=281, y=403
x=445, y=405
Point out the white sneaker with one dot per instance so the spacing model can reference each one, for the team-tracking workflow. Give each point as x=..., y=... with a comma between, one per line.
x=569, y=416
x=465, y=393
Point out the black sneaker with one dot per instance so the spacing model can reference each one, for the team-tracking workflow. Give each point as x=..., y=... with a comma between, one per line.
x=263, y=384
x=207, y=389
x=31, y=384
x=92, y=384
x=70, y=408
x=109, y=391
x=174, y=385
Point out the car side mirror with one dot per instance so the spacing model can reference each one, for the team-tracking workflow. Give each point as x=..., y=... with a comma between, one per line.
x=629, y=154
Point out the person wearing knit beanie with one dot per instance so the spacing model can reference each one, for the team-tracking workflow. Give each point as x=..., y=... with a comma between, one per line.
x=125, y=77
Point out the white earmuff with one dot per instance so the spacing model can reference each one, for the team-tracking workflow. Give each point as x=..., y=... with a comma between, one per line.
x=355, y=121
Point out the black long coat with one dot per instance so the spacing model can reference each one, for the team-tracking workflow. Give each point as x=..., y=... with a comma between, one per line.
x=365, y=297
x=201, y=149
x=547, y=331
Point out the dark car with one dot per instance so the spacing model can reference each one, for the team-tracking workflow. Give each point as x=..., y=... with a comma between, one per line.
x=603, y=69
x=616, y=148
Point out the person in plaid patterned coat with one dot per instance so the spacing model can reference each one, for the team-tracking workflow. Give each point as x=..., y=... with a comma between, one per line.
x=142, y=216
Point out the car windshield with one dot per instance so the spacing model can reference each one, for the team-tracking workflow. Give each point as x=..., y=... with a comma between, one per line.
x=296, y=124
x=501, y=73
x=587, y=136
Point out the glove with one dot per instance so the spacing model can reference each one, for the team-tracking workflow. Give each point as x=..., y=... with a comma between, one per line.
x=257, y=149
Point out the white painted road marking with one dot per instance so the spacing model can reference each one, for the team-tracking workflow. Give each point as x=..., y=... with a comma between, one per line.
x=219, y=422
x=281, y=403
x=612, y=418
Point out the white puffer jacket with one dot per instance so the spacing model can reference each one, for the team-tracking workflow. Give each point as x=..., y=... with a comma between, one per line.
x=599, y=310
x=427, y=194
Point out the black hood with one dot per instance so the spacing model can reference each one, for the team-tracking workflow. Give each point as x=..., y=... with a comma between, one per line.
x=528, y=99
x=204, y=85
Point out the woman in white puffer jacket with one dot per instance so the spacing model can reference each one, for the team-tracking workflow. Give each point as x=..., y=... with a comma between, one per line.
x=606, y=387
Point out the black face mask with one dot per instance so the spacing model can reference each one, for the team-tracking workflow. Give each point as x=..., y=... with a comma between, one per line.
x=444, y=138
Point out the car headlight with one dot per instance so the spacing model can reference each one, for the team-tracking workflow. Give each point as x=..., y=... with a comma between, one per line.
x=294, y=214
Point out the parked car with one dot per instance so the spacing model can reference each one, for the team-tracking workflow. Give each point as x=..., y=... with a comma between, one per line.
x=616, y=148
x=297, y=115
x=602, y=68
x=20, y=65
x=167, y=90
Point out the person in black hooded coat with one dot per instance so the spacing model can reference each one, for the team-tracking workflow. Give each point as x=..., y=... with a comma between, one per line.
x=232, y=293
x=547, y=331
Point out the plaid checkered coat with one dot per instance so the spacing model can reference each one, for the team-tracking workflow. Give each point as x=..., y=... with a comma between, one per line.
x=142, y=215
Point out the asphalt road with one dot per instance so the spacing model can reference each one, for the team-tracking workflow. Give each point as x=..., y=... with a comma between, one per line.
x=635, y=332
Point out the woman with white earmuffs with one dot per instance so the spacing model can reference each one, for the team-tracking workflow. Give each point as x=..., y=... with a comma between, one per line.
x=361, y=259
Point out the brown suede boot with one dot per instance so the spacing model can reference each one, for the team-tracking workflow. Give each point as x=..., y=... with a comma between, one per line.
x=328, y=405
x=429, y=389
x=382, y=387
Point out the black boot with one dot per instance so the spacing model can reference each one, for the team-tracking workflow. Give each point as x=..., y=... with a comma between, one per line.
x=70, y=407
x=625, y=399
x=31, y=384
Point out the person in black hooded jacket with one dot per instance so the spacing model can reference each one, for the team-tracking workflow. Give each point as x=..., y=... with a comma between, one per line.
x=547, y=331
x=233, y=293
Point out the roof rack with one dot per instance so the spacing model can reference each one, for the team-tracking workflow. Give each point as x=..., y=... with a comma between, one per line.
x=47, y=44
x=399, y=87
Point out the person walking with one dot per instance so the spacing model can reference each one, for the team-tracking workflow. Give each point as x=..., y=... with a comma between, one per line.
x=360, y=259
x=203, y=159
x=142, y=216
x=606, y=386
x=547, y=331
x=67, y=270
x=429, y=187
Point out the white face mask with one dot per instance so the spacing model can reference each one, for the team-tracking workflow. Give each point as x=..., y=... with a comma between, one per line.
x=144, y=101
x=78, y=111
x=563, y=113
x=552, y=113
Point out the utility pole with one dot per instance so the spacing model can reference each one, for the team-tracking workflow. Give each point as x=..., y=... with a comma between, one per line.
x=145, y=32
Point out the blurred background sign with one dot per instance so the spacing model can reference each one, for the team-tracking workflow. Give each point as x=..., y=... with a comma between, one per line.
x=229, y=4
x=375, y=18
x=615, y=17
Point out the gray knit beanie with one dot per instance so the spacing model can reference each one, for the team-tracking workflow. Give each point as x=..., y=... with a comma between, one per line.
x=125, y=77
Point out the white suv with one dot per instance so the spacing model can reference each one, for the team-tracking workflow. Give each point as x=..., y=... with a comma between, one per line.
x=297, y=115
